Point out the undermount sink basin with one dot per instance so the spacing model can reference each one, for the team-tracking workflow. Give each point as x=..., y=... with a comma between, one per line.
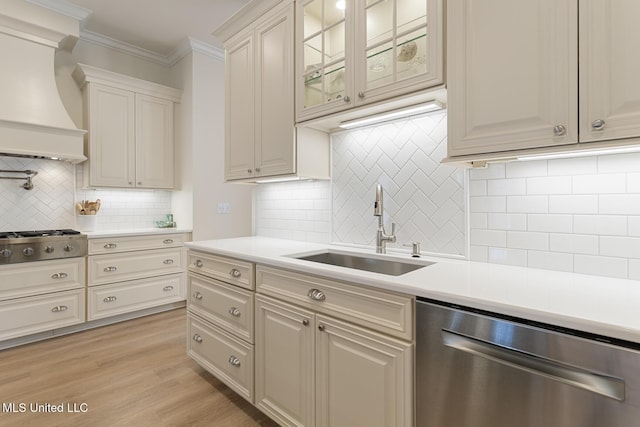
x=375, y=265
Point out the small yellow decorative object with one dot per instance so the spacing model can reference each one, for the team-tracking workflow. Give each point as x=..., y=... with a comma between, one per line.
x=407, y=52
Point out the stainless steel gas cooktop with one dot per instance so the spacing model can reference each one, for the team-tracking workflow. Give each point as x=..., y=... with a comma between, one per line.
x=39, y=245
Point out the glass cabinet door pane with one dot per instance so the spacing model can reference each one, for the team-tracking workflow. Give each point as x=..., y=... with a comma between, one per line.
x=333, y=14
x=412, y=54
x=380, y=65
x=312, y=18
x=410, y=14
x=334, y=82
x=379, y=21
x=334, y=41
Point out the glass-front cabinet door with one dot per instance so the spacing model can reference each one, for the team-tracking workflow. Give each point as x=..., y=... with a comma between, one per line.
x=354, y=52
x=400, y=49
x=323, y=65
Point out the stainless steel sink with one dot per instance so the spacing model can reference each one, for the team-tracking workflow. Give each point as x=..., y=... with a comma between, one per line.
x=375, y=265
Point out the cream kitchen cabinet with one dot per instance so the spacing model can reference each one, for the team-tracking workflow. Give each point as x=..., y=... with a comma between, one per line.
x=132, y=273
x=540, y=76
x=41, y=296
x=130, y=130
x=314, y=369
x=220, y=310
x=260, y=137
x=370, y=51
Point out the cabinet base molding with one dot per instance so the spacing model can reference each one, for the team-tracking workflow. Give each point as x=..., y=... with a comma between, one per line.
x=88, y=325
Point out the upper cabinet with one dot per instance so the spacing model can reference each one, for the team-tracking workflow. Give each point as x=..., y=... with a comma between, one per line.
x=540, y=76
x=357, y=52
x=131, y=130
x=260, y=136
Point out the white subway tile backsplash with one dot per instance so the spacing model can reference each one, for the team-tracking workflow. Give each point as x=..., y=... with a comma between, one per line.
x=500, y=221
x=633, y=183
x=623, y=204
x=612, y=225
x=488, y=204
x=599, y=184
x=489, y=238
x=527, y=240
x=634, y=225
x=527, y=204
x=515, y=257
x=573, y=243
x=478, y=220
x=479, y=188
x=634, y=269
x=506, y=187
x=550, y=260
x=526, y=169
x=629, y=162
x=573, y=204
x=550, y=223
x=495, y=171
x=601, y=266
x=573, y=166
x=627, y=247
x=549, y=185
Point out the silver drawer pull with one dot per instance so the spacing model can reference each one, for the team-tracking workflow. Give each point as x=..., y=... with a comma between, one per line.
x=197, y=295
x=110, y=299
x=110, y=269
x=234, y=311
x=168, y=288
x=316, y=294
x=110, y=246
x=234, y=361
x=197, y=338
x=168, y=261
x=235, y=273
x=59, y=308
x=59, y=276
x=198, y=263
x=167, y=241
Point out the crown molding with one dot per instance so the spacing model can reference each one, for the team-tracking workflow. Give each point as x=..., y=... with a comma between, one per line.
x=124, y=47
x=188, y=45
x=64, y=7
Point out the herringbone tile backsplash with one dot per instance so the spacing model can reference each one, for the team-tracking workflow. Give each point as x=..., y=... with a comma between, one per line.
x=424, y=197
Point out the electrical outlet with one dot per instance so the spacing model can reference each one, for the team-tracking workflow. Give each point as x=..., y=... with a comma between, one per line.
x=223, y=208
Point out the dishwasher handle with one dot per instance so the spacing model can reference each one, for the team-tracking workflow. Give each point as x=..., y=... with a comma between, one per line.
x=595, y=382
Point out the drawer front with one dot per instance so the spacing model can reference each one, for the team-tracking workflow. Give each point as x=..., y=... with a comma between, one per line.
x=134, y=265
x=25, y=316
x=229, y=270
x=110, y=300
x=33, y=278
x=381, y=311
x=224, y=305
x=226, y=357
x=106, y=245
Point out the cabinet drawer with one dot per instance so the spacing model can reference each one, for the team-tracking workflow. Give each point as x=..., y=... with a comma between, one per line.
x=105, y=245
x=25, y=316
x=19, y=280
x=377, y=310
x=125, y=297
x=134, y=265
x=226, y=357
x=224, y=305
x=229, y=270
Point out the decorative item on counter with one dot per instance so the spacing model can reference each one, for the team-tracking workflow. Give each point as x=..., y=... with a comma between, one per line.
x=168, y=223
x=86, y=207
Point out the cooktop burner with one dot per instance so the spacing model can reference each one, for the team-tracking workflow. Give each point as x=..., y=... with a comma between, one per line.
x=40, y=245
x=37, y=233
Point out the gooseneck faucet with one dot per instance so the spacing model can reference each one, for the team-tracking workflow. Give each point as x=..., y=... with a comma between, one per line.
x=381, y=237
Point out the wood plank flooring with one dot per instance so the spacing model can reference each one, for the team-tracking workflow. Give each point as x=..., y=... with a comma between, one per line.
x=134, y=373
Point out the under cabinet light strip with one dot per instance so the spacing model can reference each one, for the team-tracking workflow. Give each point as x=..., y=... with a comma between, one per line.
x=396, y=114
x=569, y=154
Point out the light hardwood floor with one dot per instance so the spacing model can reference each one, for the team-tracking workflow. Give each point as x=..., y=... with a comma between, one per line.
x=133, y=374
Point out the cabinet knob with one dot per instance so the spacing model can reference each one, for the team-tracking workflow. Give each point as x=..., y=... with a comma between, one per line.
x=197, y=295
x=167, y=241
x=110, y=299
x=168, y=288
x=361, y=95
x=167, y=261
x=559, y=130
x=321, y=328
x=597, y=124
x=234, y=311
x=316, y=295
x=130, y=182
x=110, y=246
x=59, y=276
x=234, y=361
x=257, y=170
x=197, y=338
x=139, y=182
x=235, y=273
x=249, y=171
x=305, y=322
x=198, y=263
x=347, y=99
x=59, y=308
x=110, y=269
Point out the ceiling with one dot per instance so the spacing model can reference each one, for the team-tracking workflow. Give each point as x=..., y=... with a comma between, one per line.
x=156, y=25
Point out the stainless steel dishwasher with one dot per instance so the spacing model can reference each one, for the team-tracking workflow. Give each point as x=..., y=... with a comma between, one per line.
x=477, y=369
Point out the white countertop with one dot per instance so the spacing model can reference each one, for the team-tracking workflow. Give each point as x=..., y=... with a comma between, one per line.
x=133, y=232
x=599, y=305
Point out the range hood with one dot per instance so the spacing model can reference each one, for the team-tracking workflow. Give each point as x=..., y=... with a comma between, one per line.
x=33, y=120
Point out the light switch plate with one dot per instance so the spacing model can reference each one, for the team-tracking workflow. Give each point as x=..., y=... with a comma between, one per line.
x=223, y=208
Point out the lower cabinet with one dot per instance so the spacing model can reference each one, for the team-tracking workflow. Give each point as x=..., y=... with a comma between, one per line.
x=313, y=369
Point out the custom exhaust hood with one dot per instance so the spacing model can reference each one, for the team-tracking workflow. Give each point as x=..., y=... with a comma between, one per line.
x=33, y=120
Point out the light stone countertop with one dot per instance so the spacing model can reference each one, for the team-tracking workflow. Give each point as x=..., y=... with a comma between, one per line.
x=133, y=232
x=594, y=304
